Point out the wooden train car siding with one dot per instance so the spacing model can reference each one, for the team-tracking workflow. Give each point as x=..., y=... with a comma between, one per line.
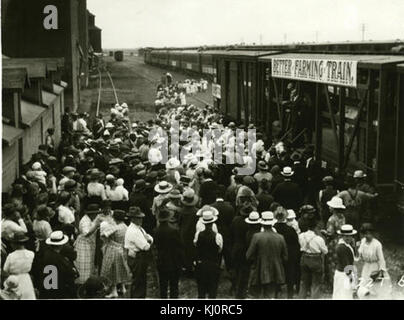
x=399, y=159
x=362, y=116
x=10, y=156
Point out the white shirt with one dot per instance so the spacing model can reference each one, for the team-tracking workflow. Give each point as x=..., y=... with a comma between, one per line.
x=118, y=194
x=65, y=215
x=136, y=239
x=9, y=228
x=312, y=243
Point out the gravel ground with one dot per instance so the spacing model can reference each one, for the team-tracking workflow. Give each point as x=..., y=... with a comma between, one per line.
x=136, y=85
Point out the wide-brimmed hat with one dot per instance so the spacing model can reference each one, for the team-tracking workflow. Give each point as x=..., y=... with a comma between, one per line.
x=140, y=185
x=267, y=218
x=287, y=172
x=347, y=230
x=93, y=208
x=359, y=174
x=367, y=227
x=95, y=287
x=253, y=218
x=70, y=185
x=262, y=165
x=189, y=198
x=165, y=215
x=175, y=194
x=296, y=156
x=207, y=208
x=208, y=217
x=291, y=214
x=336, y=203
x=57, y=238
x=163, y=187
x=173, y=163
x=115, y=161
x=135, y=212
x=19, y=237
x=119, y=215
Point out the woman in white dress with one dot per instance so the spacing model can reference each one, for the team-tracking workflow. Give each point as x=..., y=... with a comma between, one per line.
x=19, y=263
x=370, y=252
x=375, y=282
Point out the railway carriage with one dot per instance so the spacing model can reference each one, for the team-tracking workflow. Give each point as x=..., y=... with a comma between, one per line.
x=190, y=61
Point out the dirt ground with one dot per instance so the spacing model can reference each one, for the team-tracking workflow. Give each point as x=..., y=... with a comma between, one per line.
x=136, y=85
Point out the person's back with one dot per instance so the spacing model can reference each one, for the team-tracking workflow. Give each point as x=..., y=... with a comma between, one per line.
x=169, y=247
x=66, y=275
x=288, y=194
x=206, y=246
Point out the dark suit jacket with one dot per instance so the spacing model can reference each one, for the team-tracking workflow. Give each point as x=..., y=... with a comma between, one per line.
x=170, y=251
x=66, y=275
x=345, y=257
x=207, y=192
x=226, y=216
x=289, y=195
x=264, y=201
x=269, y=253
x=238, y=236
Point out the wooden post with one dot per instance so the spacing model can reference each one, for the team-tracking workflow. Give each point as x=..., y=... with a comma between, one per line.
x=341, y=133
x=318, y=126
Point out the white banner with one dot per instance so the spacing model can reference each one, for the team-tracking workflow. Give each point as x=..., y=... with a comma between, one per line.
x=216, y=90
x=335, y=72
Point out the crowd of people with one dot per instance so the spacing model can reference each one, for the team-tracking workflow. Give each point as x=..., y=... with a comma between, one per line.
x=101, y=215
x=171, y=94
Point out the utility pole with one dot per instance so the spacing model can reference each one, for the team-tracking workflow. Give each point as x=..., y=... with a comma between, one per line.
x=363, y=27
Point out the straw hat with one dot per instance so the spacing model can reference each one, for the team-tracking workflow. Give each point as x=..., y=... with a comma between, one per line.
x=208, y=217
x=57, y=238
x=267, y=218
x=175, y=194
x=163, y=187
x=253, y=218
x=287, y=172
x=262, y=165
x=291, y=214
x=359, y=174
x=189, y=198
x=207, y=208
x=336, y=203
x=173, y=163
x=347, y=230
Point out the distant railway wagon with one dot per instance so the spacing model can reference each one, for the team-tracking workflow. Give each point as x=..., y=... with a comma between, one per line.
x=237, y=75
x=208, y=65
x=190, y=61
x=118, y=55
x=174, y=59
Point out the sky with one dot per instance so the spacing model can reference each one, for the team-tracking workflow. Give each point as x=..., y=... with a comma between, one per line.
x=179, y=23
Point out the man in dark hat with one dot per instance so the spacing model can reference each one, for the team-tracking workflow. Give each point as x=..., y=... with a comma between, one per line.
x=140, y=198
x=207, y=190
x=170, y=255
x=238, y=236
x=138, y=244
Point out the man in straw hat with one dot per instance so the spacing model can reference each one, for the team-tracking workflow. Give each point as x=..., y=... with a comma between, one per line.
x=345, y=274
x=208, y=247
x=138, y=244
x=288, y=193
x=162, y=189
x=269, y=252
x=170, y=255
x=63, y=281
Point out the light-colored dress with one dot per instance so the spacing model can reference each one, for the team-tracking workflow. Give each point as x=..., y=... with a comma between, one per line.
x=85, y=248
x=371, y=253
x=19, y=263
x=114, y=264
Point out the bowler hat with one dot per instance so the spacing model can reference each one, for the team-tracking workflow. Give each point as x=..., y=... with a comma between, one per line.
x=19, y=237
